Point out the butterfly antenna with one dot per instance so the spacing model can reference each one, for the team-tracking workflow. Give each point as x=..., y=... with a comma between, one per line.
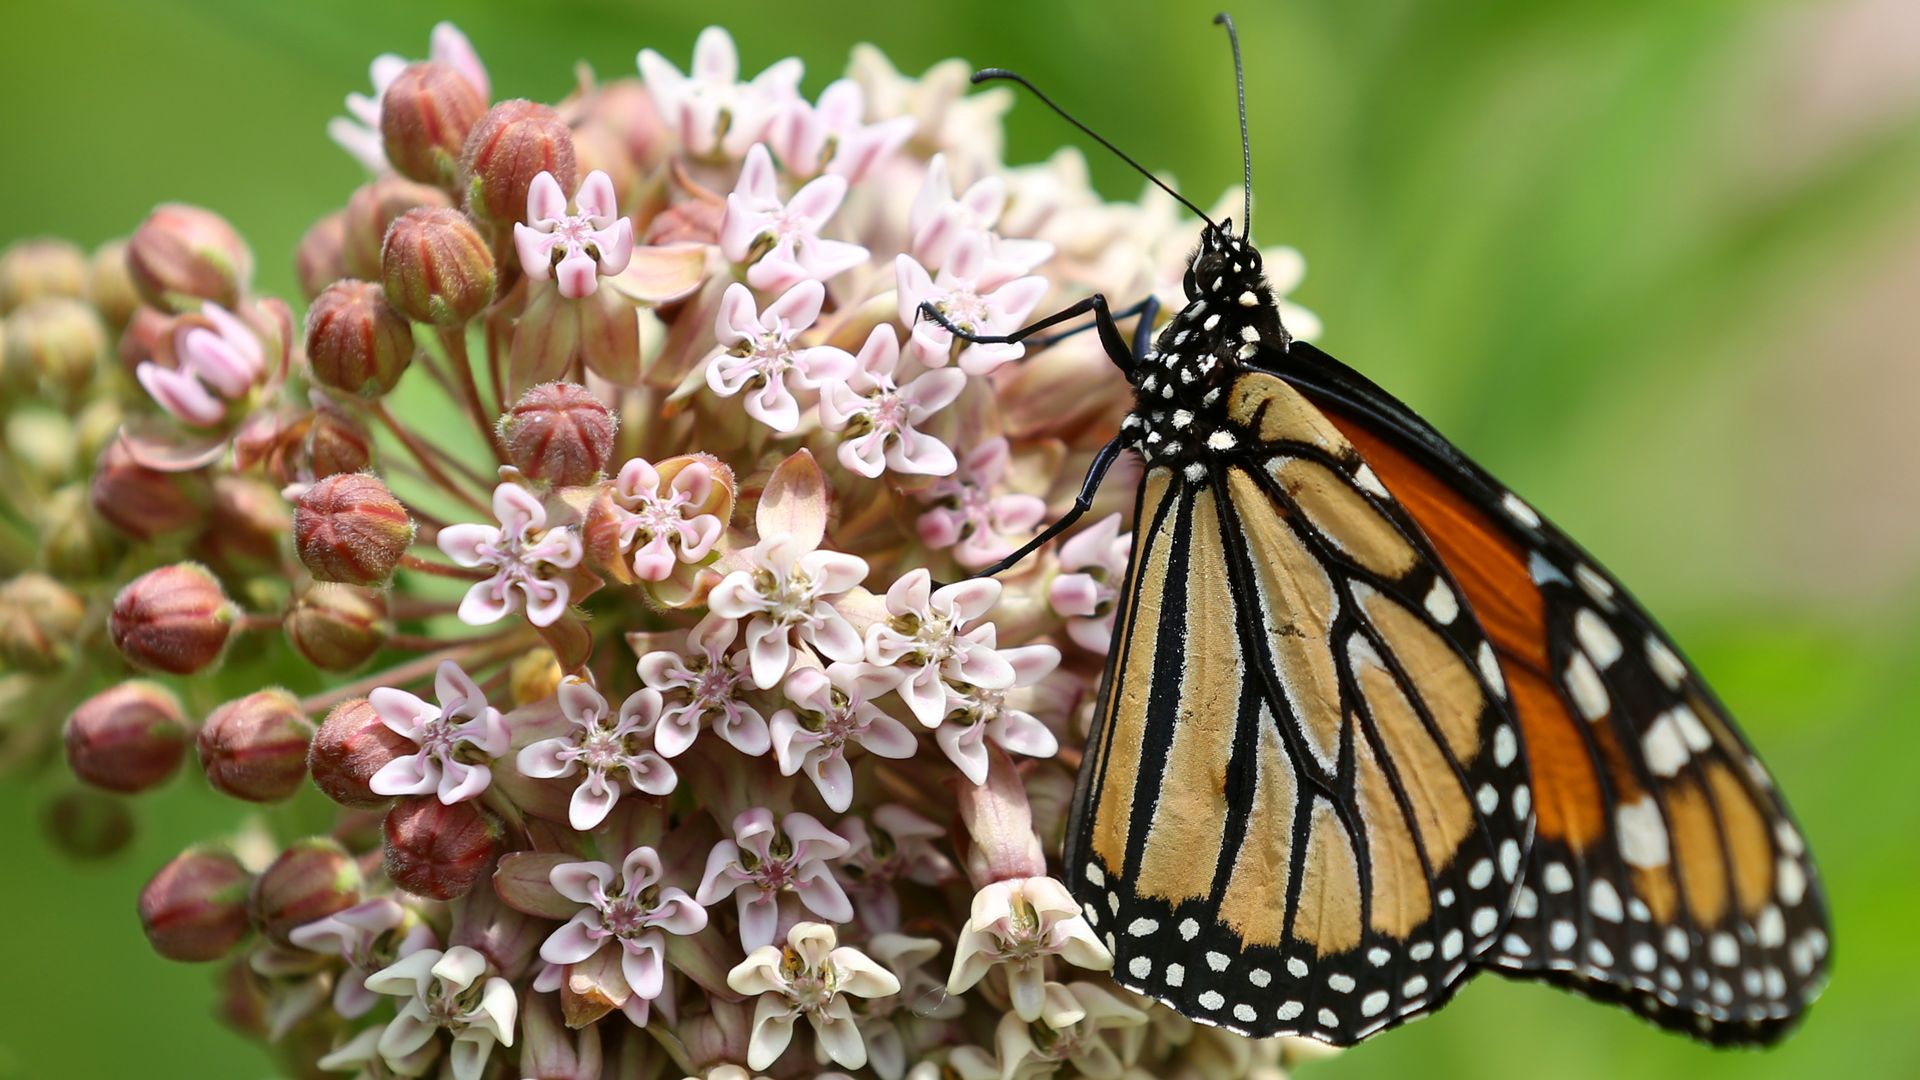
x=1246, y=144
x=990, y=74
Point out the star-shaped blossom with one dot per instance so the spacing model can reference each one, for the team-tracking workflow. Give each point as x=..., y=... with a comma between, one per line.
x=922, y=996
x=834, y=134
x=929, y=637
x=576, y=249
x=705, y=686
x=217, y=360
x=447, y=991
x=663, y=525
x=524, y=555
x=812, y=975
x=631, y=909
x=1071, y=1028
x=709, y=108
x=879, y=417
x=1020, y=923
x=359, y=133
x=971, y=300
x=983, y=716
x=891, y=845
x=972, y=515
x=783, y=238
x=1094, y=564
x=367, y=936
x=456, y=737
x=611, y=750
x=832, y=708
x=940, y=221
x=764, y=860
x=759, y=355
x=788, y=599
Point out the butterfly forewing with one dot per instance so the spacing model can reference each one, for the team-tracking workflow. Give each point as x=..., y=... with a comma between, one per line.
x=1299, y=810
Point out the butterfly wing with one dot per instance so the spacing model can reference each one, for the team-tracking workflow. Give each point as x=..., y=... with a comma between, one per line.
x=1298, y=810
x=1667, y=873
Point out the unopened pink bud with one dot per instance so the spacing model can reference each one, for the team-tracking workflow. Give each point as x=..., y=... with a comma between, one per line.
x=256, y=748
x=128, y=738
x=515, y=142
x=351, y=745
x=335, y=444
x=144, y=503
x=559, y=432
x=350, y=528
x=183, y=255
x=370, y=212
x=425, y=116
x=310, y=880
x=195, y=908
x=32, y=269
x=245, y=527
x=39, y=620
x=321, y=258
x=436, y=268
x=175, y=619
x=337, y=627
x=439, y=851
x=357, y=342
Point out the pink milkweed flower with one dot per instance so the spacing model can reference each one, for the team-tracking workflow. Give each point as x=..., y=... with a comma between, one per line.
x=1073, y=1027
x=1096, y=564
x=359, y=134
x=983, y=716
x=892, y=844
x=963, y=292
x=832, y=708
x=368, y=936
x=879, y=416
x=834, y=134
x=445, y=991
x=1019, y=923
x=524, y=555
x=451, y=735
x=632, y=909
x=972, y=516
x=927, y=637
x=757, y=353
x=788, y=598
x=576, y=249
x=763, y=860
x=609, y=748
x=219, y=360
x=810, y=976
x=793, y=250
x=707, y=687
x=939, y=222
x=709, y=108
x=660, y=526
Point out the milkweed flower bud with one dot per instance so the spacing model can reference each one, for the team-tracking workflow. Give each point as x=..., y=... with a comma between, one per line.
x=87, y=824
x=175, y=619
x=321, y=258
x=55, y=342
x=311, y=879
x=353, y=744
x=194, y=909
x=370, y=212
x=128, y=738
x=425, y=115
x=337, y=627
x=513, y=143
x=436, y=268
x=39, y=618
x=109, y=284
x=357, y=342
x=75, y=543
x=145, y=503
x=349, y=528
x=560, y=433
x=335, y=444
x=245, y=526
x=33, y=269
x=439, y=850
x=256, y=748
x=184, y=255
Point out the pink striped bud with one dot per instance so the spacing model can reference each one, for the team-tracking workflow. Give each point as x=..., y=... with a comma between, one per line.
x=256, y=748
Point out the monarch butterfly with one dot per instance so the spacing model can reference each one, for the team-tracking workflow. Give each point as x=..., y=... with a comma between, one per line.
x=1370, y=724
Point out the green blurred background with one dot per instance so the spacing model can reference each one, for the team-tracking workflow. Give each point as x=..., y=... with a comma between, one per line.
x=1653, y=261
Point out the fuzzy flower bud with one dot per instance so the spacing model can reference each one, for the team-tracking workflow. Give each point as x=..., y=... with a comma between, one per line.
x=439, y=850
x=312, y=878
x=337, y=627
x=55, y=342
x=39, y=618
x=75, y=542
x=425, y=115
x=195, y=908
x=349, y=528
x=513, y=143
x=256, y=748
x=370, y=212
x=321, y=258
x=175, y=619
x=33, y=269
x=436, y=267
x=183, y=255
x=357, y=342
x=128, y=738
x=145, y=503
x=353, y=744
x=87, y=824
x=109, y=286
x=246, y=525
x=560, y=433
x=336, y=444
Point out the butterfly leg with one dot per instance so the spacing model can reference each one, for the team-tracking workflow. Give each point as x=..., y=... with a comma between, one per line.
x=1148, y=310
x=1111, y=340
x=1102, y=461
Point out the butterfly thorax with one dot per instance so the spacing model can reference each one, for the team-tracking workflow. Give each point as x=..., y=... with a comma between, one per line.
x=1229, y=318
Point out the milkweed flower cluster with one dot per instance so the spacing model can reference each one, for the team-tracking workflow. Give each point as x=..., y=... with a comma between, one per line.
x=599, y=541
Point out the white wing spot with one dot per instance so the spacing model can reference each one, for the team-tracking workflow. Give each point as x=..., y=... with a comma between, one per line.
x=1140, y=967
x=1222, y=440
x=1212, y=1000
x=1601, y=955
x=1519, y=511
x=1522, y=802
x=1484, y=921
x=1218, y=961
x=1515, y=945
x=1095, y=875
x=1341, y=984
x=1188, y=929
x=1212, y=321
x=1505, y=745
x=1289, y=1010
x=1509, y=858
x=1583, y=683
x=1644, y=956
x=1451, y=945
x=1296, y=967
x=1562, y=935
x=1378, y=957
x=1604, y=900
x=1665, y=663
x=1723, y=950
x=1601, y=643
x=1328, y=1018
x=1175, y=974
x=1113, y=902
x=1677, y=945
x=1244, y=1013
x=1247, y=299
x=1691, y=729
x=1260, y=977
x=1591, y=580
x=1663, y=746
x=1369, y=481
x=1181, y=418
x=1142, y=927
x=1642, y=833
x=1420, y=951
x=1488, y=798
x=1415, y=986
x=1374, y=1004
x=1248, y=333
x=1196, y=472
x=1481, y=875
x=1557, y=878
x=1441, y=603
x=1792, y=880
